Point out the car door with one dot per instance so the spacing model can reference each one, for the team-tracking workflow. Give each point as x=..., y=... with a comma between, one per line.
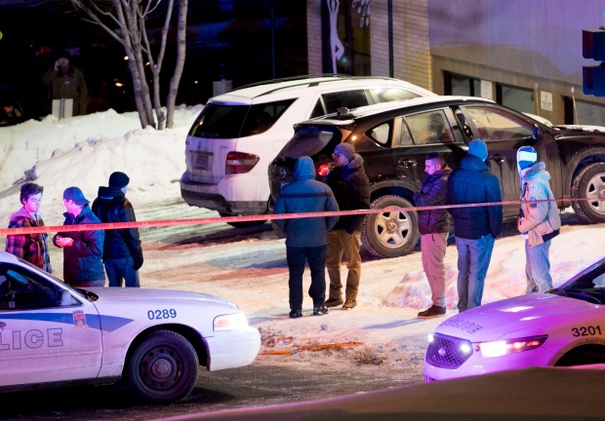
x=425, y=132
x=504, y=133
x=47, y=332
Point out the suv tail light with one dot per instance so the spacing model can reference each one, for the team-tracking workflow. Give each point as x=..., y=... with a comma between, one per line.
x=240, y=162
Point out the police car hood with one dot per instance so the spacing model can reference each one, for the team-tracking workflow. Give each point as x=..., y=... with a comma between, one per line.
x=528, y=314
x=154, y=296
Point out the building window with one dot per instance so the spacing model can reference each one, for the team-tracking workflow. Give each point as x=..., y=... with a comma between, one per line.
x=586, y=112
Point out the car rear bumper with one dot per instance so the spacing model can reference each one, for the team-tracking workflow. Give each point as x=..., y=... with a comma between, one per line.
x=231, y=196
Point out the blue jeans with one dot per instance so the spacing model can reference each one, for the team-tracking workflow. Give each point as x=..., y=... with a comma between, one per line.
x=473, y=262
x=537, y=267
x=316, y=256
x=119, y=269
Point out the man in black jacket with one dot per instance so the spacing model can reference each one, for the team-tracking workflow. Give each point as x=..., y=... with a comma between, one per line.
x=434, y=226
x=351, y=188
x=122, y=253
x=475, y=227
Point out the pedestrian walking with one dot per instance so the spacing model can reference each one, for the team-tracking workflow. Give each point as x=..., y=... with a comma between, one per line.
x=306, y=237
x=475, y=227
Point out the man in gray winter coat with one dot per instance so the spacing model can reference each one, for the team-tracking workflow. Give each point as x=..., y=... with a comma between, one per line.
x=306, y=237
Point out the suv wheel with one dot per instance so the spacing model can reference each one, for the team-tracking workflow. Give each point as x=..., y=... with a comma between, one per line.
x=392, y=233
x=586, y=185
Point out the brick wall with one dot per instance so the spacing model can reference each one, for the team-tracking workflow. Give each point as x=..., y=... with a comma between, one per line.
x=411, y=52
x=314, y=36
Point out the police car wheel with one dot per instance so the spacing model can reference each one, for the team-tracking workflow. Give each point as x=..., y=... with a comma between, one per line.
x=163, y=368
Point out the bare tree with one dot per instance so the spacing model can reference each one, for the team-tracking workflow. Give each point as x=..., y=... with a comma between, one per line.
x=129, y=17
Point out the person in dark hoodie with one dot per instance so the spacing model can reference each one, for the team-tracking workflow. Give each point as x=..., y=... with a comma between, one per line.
x=122, y=252
x=434, y=227
x=475, y=227
x=306, y=237
x=82, y=250
x=351, y=187
x=31, y=247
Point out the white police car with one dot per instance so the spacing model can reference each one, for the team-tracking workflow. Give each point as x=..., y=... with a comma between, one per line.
x=153, y=340
x=562, y=327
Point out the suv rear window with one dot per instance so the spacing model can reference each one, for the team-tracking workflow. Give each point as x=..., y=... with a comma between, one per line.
x=219, y=121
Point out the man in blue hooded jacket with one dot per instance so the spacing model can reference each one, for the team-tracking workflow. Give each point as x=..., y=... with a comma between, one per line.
x=475, y=227
x=306, y=238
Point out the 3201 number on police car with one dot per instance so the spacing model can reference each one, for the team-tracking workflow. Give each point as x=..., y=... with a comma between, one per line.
x=161, y=314
x=586, y=331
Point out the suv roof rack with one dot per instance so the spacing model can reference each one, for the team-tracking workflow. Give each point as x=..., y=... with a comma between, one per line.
x=330, y=77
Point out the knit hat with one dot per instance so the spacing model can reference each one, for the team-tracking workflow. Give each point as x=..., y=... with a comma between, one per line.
x=478, y=148
x=118, y=179
x=75, y=194
x=526, y=157
x=345, y=149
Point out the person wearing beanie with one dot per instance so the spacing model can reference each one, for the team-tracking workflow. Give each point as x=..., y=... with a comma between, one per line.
x=122, y=251
x=539, y=221
x=82, y=250
x=475, y=227
x=351, y=188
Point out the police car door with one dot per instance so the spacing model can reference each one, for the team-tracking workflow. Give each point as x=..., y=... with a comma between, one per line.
x=47, y=332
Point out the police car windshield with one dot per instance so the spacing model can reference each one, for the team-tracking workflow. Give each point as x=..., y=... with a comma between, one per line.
x=588, y=285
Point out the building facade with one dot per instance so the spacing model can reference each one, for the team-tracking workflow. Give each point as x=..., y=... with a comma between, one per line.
x=523, y=54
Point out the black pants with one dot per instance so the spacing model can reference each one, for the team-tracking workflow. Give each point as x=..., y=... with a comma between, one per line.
x=316, y=256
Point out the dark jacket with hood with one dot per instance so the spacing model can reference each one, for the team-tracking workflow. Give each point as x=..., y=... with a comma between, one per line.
x=432, y=193
x=82, y=261
x=112, y=206
x=473, y=183
x=305, y=194
x=351, y=189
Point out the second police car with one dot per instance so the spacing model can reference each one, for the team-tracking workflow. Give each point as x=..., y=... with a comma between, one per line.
x=153, y=340
x=561, y=327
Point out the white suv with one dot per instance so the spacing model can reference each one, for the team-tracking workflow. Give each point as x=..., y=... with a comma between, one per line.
x=238, y=134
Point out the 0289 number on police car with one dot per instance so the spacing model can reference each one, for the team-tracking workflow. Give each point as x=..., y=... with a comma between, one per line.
x=161, y=314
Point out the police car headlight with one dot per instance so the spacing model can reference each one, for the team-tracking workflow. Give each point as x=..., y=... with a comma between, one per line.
x=230, y=322
x=511, y=346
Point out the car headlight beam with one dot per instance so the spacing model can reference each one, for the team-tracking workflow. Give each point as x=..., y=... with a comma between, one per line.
x=230, y=322
x=511, y=346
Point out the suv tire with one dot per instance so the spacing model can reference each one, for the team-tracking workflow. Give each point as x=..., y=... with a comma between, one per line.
x=585, y=185
x=390, y=234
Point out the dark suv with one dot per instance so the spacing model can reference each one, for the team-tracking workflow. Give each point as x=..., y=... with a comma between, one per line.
x=394, y=138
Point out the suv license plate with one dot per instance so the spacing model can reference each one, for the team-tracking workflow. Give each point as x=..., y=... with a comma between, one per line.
x=203, y=161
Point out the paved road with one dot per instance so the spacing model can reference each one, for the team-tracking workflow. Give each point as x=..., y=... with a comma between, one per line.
x=255, y=385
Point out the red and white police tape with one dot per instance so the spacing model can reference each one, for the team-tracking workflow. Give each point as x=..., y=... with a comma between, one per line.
x=250, y=218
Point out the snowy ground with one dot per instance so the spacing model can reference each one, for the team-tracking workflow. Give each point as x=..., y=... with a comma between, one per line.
x=250, y=267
